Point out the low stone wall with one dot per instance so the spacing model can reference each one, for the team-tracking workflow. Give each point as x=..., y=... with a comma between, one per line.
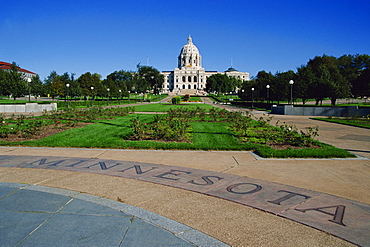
x=320, y=110
x=28, y=107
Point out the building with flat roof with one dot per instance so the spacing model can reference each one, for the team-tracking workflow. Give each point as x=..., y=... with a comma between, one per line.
x=190, y=77
x=8, y=66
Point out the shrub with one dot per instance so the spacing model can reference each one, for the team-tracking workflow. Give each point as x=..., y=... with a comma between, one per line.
x=176, y=100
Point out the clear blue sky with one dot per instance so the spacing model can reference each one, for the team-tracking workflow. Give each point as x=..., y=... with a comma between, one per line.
x=79, y=36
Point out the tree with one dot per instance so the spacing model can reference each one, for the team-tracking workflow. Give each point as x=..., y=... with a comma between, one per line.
x=118, y=80
x=245, y=92
x=259, y=84
x=88, y=80
x=152, y=79
x=3, y=82
x=282, y=86
x=222, y=83
x=305, y=81
x=361, y=85
x=37, y=87
x=14, y=83
x=74, y=87
x=328, y=81
x=54, y=84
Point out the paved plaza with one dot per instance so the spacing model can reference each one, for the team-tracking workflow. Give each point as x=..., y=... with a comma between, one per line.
x=95, y=197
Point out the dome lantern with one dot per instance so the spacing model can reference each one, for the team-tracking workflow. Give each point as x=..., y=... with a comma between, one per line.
x=189, y=56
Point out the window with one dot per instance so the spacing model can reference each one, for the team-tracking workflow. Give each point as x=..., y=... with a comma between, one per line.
x=183, y=79
x=183, y=86
x=195, y=86
x=189, y=86
x=195, y=79
x=189, y=78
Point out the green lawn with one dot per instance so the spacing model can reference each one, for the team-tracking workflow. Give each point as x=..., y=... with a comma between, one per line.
x=11, y=102
x=166, y=107
x=112, y=133
x=358, y=122
x=203, y=136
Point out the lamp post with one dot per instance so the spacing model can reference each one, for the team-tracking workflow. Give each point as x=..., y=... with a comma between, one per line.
x=241, y=97
x=108, y=95
x=120, y=94
x=67, y=85
x=291, y=82
x=92, y=95
x=155, y=85
x=129, y=92
x=252, y=97
x=29, y=89
x=267, y=88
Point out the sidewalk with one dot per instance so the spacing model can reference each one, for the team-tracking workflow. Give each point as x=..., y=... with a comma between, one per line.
x=35, y=215
x=232, y=223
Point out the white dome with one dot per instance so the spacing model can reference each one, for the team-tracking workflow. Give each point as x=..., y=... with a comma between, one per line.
x=189, y=55
x=189, y=48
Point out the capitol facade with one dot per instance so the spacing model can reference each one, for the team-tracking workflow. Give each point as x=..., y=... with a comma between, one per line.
x=190, y=77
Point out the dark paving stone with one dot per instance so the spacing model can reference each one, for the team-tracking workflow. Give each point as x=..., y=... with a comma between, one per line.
x=144, y=234
x=87, y=208
x=76, y=222
x=6, y=191
x=28, y=200
x=79, y=230
x=15, y=226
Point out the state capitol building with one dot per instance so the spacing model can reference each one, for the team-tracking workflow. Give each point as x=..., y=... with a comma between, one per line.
x=190, y=77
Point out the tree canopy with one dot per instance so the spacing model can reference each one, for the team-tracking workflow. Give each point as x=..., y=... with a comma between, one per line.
x=221, y=83
x=322, y=77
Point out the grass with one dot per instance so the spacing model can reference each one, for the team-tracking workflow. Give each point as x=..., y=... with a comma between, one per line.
x=12, y=102
x=326, y=151
x=112, y=133
x=204, y=136
x=358, y=122
x=157, y=107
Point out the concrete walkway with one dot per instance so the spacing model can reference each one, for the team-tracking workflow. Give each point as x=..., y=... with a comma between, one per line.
x=33, y=215
x=234, y=197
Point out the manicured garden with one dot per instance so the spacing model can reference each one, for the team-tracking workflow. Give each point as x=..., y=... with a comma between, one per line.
x=185, y=127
